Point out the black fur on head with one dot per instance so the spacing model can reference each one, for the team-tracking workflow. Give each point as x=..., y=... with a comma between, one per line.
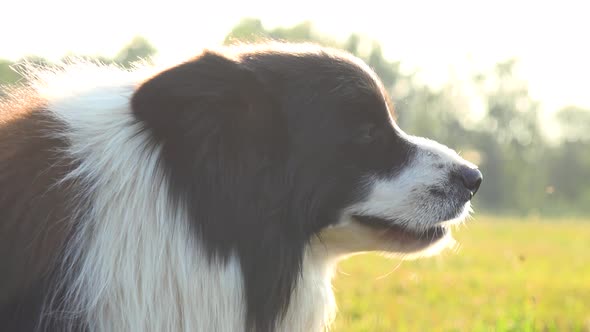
x=266, y=148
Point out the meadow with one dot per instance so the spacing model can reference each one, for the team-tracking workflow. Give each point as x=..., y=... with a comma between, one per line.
x=506, y=275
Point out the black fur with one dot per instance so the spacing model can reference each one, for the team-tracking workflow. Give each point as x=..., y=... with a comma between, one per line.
x=266, y=148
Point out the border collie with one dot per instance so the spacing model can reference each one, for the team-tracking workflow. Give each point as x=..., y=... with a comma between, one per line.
x=216, y=195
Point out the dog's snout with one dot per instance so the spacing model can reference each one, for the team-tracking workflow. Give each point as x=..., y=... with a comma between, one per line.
x=471, y=178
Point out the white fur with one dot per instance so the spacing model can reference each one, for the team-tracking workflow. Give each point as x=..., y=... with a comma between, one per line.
x=139, y=268
x=313, y=306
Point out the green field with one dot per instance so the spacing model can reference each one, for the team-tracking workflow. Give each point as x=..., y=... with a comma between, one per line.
x=507, y=275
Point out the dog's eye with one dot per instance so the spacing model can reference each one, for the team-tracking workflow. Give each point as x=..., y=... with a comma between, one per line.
x=367, y=134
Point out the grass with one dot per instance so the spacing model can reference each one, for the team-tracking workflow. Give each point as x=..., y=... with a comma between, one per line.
x=508, y=275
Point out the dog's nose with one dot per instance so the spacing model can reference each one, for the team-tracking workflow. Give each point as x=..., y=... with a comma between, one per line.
x=472, y=178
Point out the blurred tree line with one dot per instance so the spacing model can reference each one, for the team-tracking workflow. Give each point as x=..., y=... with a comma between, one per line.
x=525, y=171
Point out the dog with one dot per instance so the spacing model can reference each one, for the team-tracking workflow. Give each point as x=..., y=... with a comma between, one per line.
x=215, y=195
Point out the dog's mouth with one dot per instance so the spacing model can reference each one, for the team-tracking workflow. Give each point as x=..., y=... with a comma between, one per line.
x=392, y=230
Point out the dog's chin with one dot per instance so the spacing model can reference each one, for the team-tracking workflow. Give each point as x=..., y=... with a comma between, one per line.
x=358, y=233
x=399, y=239
x=408, y=240
x=397, y=232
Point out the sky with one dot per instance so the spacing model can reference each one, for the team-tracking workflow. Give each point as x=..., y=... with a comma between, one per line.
x=438, y=39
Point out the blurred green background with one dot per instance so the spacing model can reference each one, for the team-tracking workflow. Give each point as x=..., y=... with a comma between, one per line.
x=524, y=262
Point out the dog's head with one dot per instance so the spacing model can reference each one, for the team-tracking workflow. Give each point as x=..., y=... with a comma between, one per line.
x=274, y=147
x=302, y=139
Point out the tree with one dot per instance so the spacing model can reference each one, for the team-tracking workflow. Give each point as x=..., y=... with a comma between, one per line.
x=574, y=123
x=512, y=143
x=247, y=30
x=138, y=49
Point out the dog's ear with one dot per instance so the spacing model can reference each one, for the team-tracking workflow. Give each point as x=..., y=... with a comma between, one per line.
x=213, y=103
